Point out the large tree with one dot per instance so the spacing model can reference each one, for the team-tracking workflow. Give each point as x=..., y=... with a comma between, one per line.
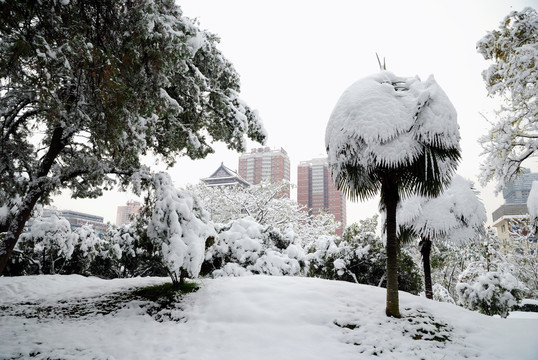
x=88, y=87
x=396, y=136
x=512, y=78
x=456, y=216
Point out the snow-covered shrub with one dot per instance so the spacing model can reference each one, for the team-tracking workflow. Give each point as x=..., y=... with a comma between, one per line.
x=324, y=258
x=180, y=226
x=493, y=293
x=359, y=256
x=441, y=294
x=88, y=246
x=245, y=247
x=49, y=243
x=131, y=252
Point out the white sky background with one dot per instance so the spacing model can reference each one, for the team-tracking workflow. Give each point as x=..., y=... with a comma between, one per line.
x=295, y=58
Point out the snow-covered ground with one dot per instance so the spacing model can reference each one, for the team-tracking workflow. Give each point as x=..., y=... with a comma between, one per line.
x=253, y=317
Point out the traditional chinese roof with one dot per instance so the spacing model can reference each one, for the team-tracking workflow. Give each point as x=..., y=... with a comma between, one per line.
x=225, y=176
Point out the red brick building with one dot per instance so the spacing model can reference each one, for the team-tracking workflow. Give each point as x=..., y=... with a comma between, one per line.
x=317, y=191
x=265, y=164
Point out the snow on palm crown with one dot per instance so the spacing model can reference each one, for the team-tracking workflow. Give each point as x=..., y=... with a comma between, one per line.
x=387, y=121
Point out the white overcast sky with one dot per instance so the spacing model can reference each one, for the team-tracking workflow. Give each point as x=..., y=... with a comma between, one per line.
x=295, y=59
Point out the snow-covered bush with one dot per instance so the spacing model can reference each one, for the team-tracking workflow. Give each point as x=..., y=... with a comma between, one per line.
x=520, y=250
x=487, y=284
x=493, y=293
x=447, y=262
x=88, y=248
x=359, y=256
x=132, y=253
x=441, y=294
x=49, y=241
x=246, y=247
x=180, y=226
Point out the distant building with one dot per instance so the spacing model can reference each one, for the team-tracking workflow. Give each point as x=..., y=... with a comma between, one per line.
x=125, y=213
x=224, y=176
x=76, y=219
x=265, y=164
x=79, y=219
x=506, y=216
x=316, y=190
x=517, y=191
x=514, y=212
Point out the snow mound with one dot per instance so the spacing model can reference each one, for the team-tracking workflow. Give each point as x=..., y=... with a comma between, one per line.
x=263, y=317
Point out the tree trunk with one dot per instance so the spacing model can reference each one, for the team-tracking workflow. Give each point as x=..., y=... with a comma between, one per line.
x=40, y=186
x=390, y=198
x=16, y=226
x=425, y=250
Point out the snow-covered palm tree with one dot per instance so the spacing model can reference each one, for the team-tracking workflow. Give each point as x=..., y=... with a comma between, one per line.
x=456, y=216
x=397, y=136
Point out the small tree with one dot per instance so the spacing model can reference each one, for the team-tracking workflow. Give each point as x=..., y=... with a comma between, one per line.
x=396, y=136
x=180, y=226
x=456, y=216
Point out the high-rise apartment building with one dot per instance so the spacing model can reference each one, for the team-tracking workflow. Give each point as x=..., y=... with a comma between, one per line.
x=517, y=191
x=317, y=191
x=265, y=164
x=124, y=212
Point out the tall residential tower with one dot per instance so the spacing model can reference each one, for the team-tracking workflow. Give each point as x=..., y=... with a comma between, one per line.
x=317, y=191
x=265, y=164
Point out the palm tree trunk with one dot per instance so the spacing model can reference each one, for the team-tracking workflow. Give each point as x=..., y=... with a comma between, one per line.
x=390, y=198
x=425, y=250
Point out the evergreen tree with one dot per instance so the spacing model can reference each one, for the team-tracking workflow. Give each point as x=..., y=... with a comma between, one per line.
x=88, y=87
